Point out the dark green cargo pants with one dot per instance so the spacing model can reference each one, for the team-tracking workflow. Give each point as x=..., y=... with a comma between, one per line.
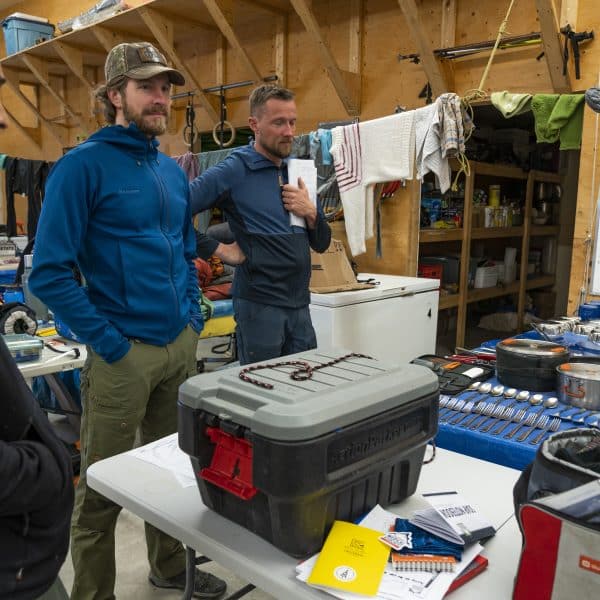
x=137, y=391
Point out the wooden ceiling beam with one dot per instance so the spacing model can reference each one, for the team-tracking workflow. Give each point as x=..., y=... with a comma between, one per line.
x=162, y=30
x=552, y=44
x=273, y=7
x=222, y=13
x=346, y=84
x=39, y=69
x=280, y=48
x=73, y=58
x=419, y=34
x=12, y=81
x=449, y=12
x=448, y=39
x=107, y=37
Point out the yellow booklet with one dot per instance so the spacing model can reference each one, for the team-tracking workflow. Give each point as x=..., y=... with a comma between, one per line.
x=352, y=559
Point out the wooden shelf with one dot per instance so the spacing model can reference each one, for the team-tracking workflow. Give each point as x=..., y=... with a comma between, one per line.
x=440, y=235
x=541, y=281
x=540, y=230
x=448, y=301
x=488, y=233
x=545, y=176
x=491, y=170
x=483, y=174
x=475, y=295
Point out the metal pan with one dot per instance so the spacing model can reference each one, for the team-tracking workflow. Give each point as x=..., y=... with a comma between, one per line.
x=579, y=383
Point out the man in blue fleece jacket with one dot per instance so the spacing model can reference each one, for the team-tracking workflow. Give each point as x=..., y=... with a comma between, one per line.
x=270, y=288
x=118, y=210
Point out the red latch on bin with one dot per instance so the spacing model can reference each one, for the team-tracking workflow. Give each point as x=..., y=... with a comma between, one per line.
x=231, y=465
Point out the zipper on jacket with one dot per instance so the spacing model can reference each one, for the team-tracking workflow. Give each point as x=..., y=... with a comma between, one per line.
x=163, y=202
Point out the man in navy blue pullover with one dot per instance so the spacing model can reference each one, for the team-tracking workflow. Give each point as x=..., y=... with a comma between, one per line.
x=118, y=210
x=270, y=288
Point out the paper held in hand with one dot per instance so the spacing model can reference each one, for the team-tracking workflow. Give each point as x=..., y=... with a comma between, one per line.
x=453, y=518
x=306, y=170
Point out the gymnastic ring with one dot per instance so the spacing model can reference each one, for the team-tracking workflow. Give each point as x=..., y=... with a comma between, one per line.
x=216, y=137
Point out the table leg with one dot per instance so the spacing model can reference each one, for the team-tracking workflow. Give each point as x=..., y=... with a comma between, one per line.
x=190, y=573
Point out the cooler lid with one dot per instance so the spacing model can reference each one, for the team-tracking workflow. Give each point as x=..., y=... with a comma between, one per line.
x=389, y=286
x=336, y=396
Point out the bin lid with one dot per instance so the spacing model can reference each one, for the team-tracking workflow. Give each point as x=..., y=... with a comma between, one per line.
x=336, y=396
x=389, y=287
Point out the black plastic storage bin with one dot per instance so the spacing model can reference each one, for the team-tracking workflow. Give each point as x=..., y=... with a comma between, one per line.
x=286, y=462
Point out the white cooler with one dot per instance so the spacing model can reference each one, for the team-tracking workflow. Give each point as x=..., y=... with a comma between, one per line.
x=396, y=320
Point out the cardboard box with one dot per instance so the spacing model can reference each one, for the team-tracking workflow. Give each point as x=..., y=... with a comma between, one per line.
x=332, y=272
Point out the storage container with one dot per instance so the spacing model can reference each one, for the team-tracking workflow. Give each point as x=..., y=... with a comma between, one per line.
x=23, y=347
x=286, y=462
x=486, y=277
x=21, y=33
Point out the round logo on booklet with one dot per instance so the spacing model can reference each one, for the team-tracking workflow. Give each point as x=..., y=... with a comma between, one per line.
x=344, y=573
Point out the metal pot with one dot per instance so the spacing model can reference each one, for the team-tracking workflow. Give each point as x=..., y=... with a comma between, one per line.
x=579, y=383
x=529, y=364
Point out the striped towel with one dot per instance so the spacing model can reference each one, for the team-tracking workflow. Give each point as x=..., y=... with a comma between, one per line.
x=347, y=156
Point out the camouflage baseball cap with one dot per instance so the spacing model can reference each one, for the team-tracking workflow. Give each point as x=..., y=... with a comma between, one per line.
x=139, y=60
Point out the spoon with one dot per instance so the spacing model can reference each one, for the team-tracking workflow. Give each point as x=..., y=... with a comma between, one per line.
x=536, y=399
x=551, y=402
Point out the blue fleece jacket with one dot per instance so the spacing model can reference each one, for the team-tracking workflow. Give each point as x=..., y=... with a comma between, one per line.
x=118, y=209
x=246, y=186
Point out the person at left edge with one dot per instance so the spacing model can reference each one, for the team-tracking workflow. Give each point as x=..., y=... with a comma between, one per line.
x=36, y=487
x=118, y=209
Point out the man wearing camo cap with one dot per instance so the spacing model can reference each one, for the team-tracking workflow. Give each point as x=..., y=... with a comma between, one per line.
x=121, y=211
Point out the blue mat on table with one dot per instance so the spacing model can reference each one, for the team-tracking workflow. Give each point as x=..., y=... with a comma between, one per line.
x=494, y=448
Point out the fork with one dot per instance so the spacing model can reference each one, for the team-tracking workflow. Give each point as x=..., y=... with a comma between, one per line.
x=456, y=408
x=465, y=411
x=552, y=427
x=486, y=411
x=516, y=418
x=529, y=420
x=449, y=404
x=537, y=424
x=501, y=413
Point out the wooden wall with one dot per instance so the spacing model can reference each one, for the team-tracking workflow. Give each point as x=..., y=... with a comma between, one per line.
x=386, y=82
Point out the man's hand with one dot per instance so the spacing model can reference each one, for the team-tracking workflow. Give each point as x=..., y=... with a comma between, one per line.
x=230, y=254
x=296, y=200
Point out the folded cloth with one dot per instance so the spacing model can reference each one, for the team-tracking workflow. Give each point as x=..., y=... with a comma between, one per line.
x=423, y=542
x=567, y=117
x=592, y=98
x=511, y=105
x=542, y=106
x=558, y=116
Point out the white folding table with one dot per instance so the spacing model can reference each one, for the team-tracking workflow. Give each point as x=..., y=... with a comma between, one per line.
x=153, y=494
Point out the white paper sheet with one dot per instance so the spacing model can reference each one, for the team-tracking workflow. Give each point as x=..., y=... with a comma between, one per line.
x=305, y=169
x=167, y=454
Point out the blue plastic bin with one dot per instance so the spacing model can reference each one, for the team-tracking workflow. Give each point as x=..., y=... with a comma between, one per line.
x=23, y=33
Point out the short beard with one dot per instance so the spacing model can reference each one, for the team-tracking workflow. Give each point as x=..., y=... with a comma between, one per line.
x=149, y=129
x=274, y=151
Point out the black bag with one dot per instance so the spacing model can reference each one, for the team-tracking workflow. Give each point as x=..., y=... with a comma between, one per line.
x=557, y=505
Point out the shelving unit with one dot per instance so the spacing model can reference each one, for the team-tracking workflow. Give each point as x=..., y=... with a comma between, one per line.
x=464, y=237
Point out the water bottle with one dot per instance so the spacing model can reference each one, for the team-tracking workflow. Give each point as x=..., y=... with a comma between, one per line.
x=38, y=307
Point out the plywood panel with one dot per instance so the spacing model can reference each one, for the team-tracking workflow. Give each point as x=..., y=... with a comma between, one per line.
x=386, y=81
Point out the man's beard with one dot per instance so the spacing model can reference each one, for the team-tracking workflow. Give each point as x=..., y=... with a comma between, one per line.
x=150, y=128
x=278, y=151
